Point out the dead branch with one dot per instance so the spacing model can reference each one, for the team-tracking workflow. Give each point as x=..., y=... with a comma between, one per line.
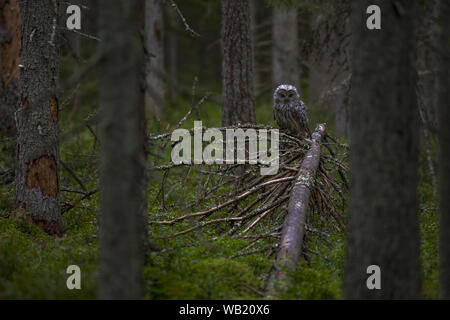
x=294, y=226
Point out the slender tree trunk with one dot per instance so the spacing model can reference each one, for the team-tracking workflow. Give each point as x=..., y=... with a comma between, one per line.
x=319, y=62
x=37, y=180
x=427, y=66
x=172, y=53
x=155, y=64
x=383, y=226
x=444, y=141
x=253, y=33
x=342, y=72
x=427, y=62
x=237, y=63
x=122, y=161
x=285, y=53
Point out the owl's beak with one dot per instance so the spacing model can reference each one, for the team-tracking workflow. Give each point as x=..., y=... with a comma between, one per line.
x=286, y=100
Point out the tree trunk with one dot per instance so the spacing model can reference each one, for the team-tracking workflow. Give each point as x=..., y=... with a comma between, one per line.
x=172, y=48
x=294, y=226
x=329, y=69
x=253, y=34
x=285, y=52
x=444, y=156
x=36, y=187
x=10, y=44
x=319, y=62
x=383, y=226
x=237, y=63
x=427, y=63
x=122, y=161
x=427, y=70
x=155, y=60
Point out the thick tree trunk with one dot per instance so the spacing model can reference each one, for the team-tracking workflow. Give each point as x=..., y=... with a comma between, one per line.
x=285, y=52
x=37, y=180
x=155, y=61
x=444, y=157
x=383, y=226
x=294, y=226
x=122, y=161
x=237, y=63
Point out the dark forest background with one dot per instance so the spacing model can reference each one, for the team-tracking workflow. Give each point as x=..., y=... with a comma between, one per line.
x=384, y=96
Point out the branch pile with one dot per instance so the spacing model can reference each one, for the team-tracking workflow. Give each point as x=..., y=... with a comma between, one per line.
x=237, y=201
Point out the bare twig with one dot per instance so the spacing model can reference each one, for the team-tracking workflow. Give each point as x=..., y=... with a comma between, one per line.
x=183, y=19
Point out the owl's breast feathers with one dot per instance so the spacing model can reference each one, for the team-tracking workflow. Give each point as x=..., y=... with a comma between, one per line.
x=292, y=118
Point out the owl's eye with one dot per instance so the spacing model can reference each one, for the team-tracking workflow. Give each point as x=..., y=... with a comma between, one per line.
x=282, y=95
x=290, y=95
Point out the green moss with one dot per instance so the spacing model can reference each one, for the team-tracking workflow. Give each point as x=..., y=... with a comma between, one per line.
x=207, y=278
x=33, y=265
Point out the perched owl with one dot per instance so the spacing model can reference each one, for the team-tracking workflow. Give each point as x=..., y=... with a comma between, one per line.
x=289, y=111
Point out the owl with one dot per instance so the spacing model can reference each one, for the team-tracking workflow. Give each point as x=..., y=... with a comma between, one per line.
x=289, y=111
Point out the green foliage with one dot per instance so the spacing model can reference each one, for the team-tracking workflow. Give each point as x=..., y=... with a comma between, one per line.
x=33, y=265
x=430, y=253
x=192, y=266
x=319, y=276
x=429, y=227
x=429, y=224
x=310, y=283
x=5, y=201
x=192, y=275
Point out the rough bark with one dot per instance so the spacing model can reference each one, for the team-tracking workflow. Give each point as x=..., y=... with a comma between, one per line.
x=237, y=63
x=121, y=156
x=383, y=225
x=294, y=226
x=285, y=51
x=36, y=188
x=10, y=44
x=154, y=30
x=444, y=156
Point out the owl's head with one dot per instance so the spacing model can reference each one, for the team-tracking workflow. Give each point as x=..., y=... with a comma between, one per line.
x=285, y=94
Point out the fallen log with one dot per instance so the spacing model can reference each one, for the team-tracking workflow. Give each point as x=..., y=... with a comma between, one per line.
x=294, y=225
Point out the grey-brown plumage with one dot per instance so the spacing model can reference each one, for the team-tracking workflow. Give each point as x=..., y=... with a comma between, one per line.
x=289, y=111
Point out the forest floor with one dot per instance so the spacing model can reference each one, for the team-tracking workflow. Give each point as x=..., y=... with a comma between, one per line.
x=193, y=266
